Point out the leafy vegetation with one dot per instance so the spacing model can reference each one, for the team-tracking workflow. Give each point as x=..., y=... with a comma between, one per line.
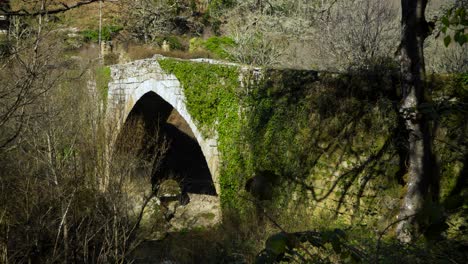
x=278, y=124
x=314, y=164
x=108, y=32
x=216, y=45
x=455, y=19
x=212, y=100
x=103, y=77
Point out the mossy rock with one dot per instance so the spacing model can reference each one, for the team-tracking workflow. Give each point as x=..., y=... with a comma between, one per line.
x=169, y=188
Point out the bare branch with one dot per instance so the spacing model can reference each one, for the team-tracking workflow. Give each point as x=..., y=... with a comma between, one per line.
x=64, y=8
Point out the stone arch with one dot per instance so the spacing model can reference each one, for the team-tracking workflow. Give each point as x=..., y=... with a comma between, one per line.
x=162, y=124
x=125, y=94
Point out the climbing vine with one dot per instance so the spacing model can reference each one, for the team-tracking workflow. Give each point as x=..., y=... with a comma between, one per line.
x=213, y=100
x=103, y=77
x=333, y=141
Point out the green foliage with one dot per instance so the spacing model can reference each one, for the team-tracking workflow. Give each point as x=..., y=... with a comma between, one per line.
x=173, y=42
x=293, y=121
x=195, y=44
x=108, y=32
x=299, y=246
x=456, y=20
x=216, y=45
x=334, y=132
x=212, y=100
x=103, y=77
x=210, y=89
x=462, y=84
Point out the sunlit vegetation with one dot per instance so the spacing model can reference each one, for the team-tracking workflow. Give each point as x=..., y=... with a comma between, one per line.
x=318, y=161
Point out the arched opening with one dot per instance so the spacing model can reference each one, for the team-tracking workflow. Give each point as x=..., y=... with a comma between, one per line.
x=153, y=127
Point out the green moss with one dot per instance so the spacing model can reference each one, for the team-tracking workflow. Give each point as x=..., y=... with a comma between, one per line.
x=103, y=77
x=212, y=100
x=208, y=216
x=309, y=131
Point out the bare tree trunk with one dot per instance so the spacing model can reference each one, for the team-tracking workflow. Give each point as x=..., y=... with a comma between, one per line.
x=421, y=161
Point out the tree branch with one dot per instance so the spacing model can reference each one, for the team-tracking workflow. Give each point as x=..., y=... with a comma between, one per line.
x=64, y=7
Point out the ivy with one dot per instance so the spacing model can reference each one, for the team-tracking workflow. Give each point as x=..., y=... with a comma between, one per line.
x=103, y=77
x=213, y=102
x=456, y=20
x=292, y=125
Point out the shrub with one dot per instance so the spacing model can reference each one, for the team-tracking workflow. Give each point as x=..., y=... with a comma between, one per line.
x=216, y=45
x=174, y=43
x=108, y=32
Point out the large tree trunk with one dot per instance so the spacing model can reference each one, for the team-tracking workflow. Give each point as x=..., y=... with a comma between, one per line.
x=420, y=187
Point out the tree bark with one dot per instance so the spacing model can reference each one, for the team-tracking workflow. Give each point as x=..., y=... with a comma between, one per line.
x=421, y=185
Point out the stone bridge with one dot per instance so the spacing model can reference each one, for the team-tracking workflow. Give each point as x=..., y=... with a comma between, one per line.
x=144, y=88
x=145, y=81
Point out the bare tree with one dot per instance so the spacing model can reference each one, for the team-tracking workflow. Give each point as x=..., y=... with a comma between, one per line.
x=254, y=44
x=443, y=59
x=147, y=19
x=51, y=159
x=28, y=74
x=356, y=33
x=53, y=7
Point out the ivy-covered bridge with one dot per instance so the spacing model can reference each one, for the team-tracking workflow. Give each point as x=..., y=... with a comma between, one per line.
x=199, y=99
x=331, y=141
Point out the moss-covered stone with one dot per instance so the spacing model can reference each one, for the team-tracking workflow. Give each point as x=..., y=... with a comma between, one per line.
x=213, y=101
x=103, y=77
x=331, y=139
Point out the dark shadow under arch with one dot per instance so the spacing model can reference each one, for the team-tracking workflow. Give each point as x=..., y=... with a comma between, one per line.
x=183, y=161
